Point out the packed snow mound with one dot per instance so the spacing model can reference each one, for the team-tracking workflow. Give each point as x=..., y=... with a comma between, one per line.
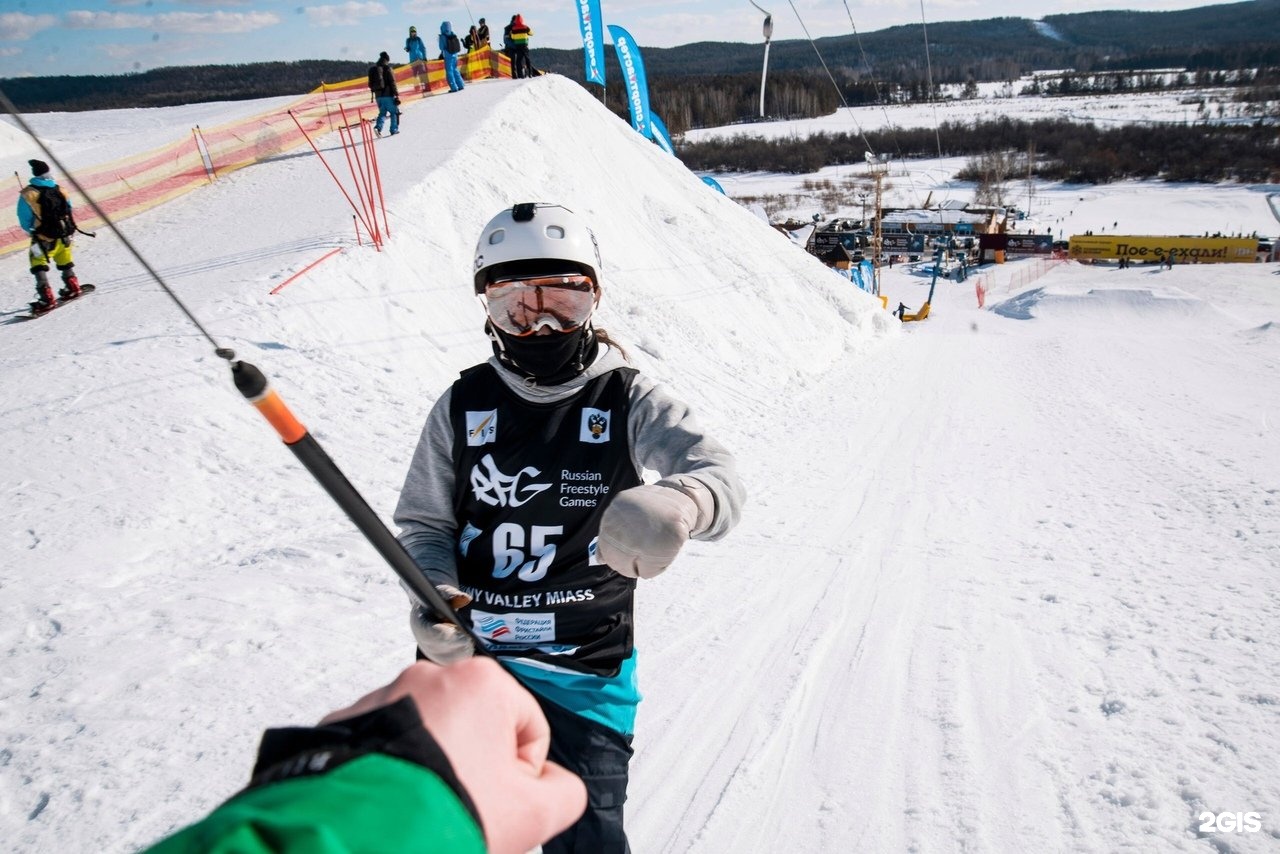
x=157, y=490
x=1122, y=305
x=1267, y=331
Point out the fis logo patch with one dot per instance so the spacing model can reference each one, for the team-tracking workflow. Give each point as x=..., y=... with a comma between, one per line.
x=482, y=427
x=595, y=425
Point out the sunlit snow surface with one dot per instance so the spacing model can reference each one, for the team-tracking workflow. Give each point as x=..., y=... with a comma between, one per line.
x=1006, y=580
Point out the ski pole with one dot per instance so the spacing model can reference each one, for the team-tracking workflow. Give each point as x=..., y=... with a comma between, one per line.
x=252, y=384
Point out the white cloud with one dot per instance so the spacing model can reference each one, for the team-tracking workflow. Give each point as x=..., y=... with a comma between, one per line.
x=125, y=51
x=343, y=14
x=173, y=22
x=16, y=26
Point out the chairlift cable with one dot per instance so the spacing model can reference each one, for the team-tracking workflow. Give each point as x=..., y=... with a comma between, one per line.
x=888, y=120
x=866, y=64
x=929, y=72
x=830, y=77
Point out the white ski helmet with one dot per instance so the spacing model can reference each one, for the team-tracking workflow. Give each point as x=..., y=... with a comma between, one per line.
x=535, y=231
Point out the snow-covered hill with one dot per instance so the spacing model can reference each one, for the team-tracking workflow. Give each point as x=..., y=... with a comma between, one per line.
x=1006, y=581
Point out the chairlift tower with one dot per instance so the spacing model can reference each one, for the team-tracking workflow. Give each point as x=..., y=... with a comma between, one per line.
x=768, y=34
x=878, y=167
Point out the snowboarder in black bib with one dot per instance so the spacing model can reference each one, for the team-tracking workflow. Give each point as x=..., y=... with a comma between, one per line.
x=524, y=502
x=44, y=212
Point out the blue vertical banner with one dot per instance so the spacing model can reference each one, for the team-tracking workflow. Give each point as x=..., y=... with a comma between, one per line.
x=633, y=74
x=658, y=131
x=592, y=45
x=713, y=184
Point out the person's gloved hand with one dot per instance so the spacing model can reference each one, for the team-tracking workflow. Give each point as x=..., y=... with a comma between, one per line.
x=440, y=641
x=497, y=742
x=397, y=102
x=644, y=527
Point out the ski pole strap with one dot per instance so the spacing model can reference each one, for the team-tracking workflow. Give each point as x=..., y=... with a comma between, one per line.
x=86, y=233
x=253, y=385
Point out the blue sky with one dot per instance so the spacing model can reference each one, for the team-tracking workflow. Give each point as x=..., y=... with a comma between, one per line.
x=51, y=37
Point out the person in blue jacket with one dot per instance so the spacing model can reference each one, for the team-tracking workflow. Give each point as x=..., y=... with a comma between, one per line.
x=416, y=49
x=450, y=56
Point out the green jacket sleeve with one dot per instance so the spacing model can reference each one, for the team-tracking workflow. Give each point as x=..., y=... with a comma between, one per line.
x=376, y=783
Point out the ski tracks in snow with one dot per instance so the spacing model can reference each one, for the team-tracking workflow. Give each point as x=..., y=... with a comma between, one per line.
x=958, y=634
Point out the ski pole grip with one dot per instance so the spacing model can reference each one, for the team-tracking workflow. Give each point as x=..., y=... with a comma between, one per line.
x=251, y=383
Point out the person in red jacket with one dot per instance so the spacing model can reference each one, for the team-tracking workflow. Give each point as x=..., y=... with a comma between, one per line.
x=521, y=66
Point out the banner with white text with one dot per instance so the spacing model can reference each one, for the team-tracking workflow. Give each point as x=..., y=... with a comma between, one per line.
x=592, y=44
x=658, y=131
x=633, y=74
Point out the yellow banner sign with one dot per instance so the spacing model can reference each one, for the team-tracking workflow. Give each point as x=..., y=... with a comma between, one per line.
x=1146, y=247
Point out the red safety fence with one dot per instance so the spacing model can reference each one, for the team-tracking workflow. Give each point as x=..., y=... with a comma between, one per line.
x=140, y=182
x=1018, y=276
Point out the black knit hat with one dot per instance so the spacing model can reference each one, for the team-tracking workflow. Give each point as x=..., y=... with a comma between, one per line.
x=383, y=56
x=39, y=167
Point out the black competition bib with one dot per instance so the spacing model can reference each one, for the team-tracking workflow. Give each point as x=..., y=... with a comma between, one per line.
x=532, y=483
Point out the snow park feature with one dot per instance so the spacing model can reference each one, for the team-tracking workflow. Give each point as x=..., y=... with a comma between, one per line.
x=1004, y=581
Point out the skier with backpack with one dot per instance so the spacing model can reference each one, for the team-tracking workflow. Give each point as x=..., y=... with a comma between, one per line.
x=525, y=506
x=382, y=83
x=450, y=47
x=44, y=212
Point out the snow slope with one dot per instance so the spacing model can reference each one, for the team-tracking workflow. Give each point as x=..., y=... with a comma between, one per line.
x=1006, y=581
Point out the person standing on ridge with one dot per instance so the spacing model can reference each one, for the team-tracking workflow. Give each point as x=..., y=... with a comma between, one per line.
x=524, y=503
x=382, y=83
x=44, y=213
x=450, y=47
x=507, y=47
x=521, y=66
x=482, y=34
x=414, y=46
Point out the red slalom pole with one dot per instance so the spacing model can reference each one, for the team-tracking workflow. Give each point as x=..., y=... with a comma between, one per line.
x=345, y=194
x=377, y=179
x=357, y=175
x=278, y=288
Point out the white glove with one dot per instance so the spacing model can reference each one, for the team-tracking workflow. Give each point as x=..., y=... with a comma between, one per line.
x=441, y=642
x=644, y=527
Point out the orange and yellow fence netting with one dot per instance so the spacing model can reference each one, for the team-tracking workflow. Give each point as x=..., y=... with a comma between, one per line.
x=143, y=181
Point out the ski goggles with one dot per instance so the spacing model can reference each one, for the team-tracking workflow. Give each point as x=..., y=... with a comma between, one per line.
x=525, y=306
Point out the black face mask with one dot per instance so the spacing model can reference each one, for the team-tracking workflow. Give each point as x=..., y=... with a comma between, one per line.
x=546, y=359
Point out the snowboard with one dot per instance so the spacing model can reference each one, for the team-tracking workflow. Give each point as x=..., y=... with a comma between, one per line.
x=85, y=290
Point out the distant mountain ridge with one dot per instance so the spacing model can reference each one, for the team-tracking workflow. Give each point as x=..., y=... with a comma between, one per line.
x=1230, y=36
